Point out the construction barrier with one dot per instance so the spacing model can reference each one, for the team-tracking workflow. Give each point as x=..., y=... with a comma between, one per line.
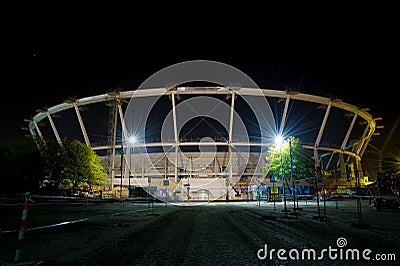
x=22, y=228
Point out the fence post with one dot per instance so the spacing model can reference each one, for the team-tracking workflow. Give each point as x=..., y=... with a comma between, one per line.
x=22, y=228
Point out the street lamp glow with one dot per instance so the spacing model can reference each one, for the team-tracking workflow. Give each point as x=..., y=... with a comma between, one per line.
x=132, y=139
x=278, y=140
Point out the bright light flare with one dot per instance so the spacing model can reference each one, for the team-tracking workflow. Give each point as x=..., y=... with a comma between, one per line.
x=278, y=140
x=132, y=139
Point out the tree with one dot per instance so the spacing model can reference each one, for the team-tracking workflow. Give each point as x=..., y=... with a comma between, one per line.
x=82, y=169
x=71, y=165
x=53, y=163
x=302, y=163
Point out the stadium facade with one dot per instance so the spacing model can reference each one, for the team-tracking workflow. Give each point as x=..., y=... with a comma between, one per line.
x=182, y=149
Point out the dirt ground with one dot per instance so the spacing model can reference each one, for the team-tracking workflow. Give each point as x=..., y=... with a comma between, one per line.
x=230, y=233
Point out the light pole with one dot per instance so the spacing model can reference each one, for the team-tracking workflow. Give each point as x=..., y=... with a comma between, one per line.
x=188, y=181
x=122, y=173
x=132, y=141
x=291, y=175
x=279, y=141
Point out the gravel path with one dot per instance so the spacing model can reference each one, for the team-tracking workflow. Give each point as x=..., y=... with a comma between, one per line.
x=228, y=234
x=210, y=234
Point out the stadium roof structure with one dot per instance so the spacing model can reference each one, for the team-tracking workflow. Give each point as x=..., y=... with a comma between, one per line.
x=334, y=130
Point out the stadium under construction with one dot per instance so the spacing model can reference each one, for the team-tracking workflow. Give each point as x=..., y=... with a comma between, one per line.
x=209, y=143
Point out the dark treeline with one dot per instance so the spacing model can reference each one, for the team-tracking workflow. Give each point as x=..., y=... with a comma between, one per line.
x=22, y=167
x=59, y=169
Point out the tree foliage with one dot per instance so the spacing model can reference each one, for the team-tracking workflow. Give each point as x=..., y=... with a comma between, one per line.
x=72, y=166
x=51, y=168
x=302, y=163
x=82, y=168
x=53, y=165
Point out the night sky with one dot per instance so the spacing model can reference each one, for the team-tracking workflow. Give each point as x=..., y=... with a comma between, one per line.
x=351, y=56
